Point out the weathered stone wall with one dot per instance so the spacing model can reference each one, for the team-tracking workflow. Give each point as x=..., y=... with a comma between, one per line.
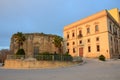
x=24, y=64
x=35, y=43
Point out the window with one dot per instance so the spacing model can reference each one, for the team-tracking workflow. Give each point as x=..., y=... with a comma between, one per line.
x=68, y=44
x=88, y=40
x=116, y=31
x=89, y=49
x=67, y=36
x=111, y=41
x=80, y=41
x=110, y=27
x=68, y=50
x=111, y=38
x=80, y=31
x=96, y=28
x=88, y=30
x=80, y=34
x=73, y=34
x=73, y=50
x=112, y=50
x=113, y=28
x=116, y=45
x=98, y=48
x=97, y=38
x=73, y=42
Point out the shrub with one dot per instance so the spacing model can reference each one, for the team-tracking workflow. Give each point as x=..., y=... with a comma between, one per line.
x=119, y=57
x=77, y=59
x=45, y=53
x=20, y=52
x=102, y=58
x=55, y=56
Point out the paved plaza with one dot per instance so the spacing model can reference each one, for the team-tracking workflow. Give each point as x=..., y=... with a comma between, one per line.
x=92, y=69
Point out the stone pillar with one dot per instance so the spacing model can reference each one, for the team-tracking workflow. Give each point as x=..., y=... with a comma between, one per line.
x=30, y=47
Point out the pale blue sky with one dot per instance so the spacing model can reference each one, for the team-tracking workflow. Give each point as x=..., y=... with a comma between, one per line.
x=47, y=16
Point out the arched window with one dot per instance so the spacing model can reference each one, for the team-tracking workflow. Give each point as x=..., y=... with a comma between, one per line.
x=73, y=34
x=67, y=36
x=96, y=28
x=88, y=30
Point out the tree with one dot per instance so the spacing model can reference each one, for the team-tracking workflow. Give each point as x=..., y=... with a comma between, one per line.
x=19, y=39
x=3, y=54
x=58, y=42
x=20, y=52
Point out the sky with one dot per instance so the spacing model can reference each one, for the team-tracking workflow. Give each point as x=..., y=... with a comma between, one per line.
x=47, y=16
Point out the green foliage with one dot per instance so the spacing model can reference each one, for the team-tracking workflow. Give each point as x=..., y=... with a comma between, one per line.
x=58, y=42
x=102, y=58
x=20, y=52
x=77, y=59
x=55, y=57
x=45, y=53
x=19, y=38
x=66, y=53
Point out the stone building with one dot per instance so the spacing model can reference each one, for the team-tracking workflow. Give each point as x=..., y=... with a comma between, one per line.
x=35, y=43
x=94, y=35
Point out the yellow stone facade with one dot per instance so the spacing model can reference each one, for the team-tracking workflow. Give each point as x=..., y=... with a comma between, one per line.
x=94, y=35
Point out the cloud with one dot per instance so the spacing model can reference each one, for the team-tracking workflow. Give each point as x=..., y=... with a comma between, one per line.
x=4, y=47
x=48, y=16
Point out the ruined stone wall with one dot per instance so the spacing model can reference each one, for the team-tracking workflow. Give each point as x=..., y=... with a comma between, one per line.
x=35, y=43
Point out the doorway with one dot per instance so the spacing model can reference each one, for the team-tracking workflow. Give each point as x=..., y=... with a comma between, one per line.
x=81, y=52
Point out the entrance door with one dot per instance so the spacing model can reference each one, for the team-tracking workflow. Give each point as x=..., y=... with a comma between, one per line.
x=81, y=52
x=36, y=50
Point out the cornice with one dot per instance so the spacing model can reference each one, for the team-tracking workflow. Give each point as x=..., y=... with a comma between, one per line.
x=86, y=20
x=91, y=18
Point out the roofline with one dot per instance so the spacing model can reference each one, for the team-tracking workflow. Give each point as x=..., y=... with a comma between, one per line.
x=110, y=16
x=90, y=18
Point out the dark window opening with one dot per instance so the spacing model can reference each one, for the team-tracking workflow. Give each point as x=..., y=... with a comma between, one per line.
x=73, y=34
x=98, y=48
x=67, y=36
x=97, y=38
x=73, y=50
x=73, y=43
x=88, y=40
x=68, y=50
x=80, y=41
x=67, y=44
x=89, y=49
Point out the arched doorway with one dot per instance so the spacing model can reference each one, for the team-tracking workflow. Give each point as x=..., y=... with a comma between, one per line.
x=36, y=50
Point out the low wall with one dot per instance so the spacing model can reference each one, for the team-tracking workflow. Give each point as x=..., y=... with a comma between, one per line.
x=23, y=64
